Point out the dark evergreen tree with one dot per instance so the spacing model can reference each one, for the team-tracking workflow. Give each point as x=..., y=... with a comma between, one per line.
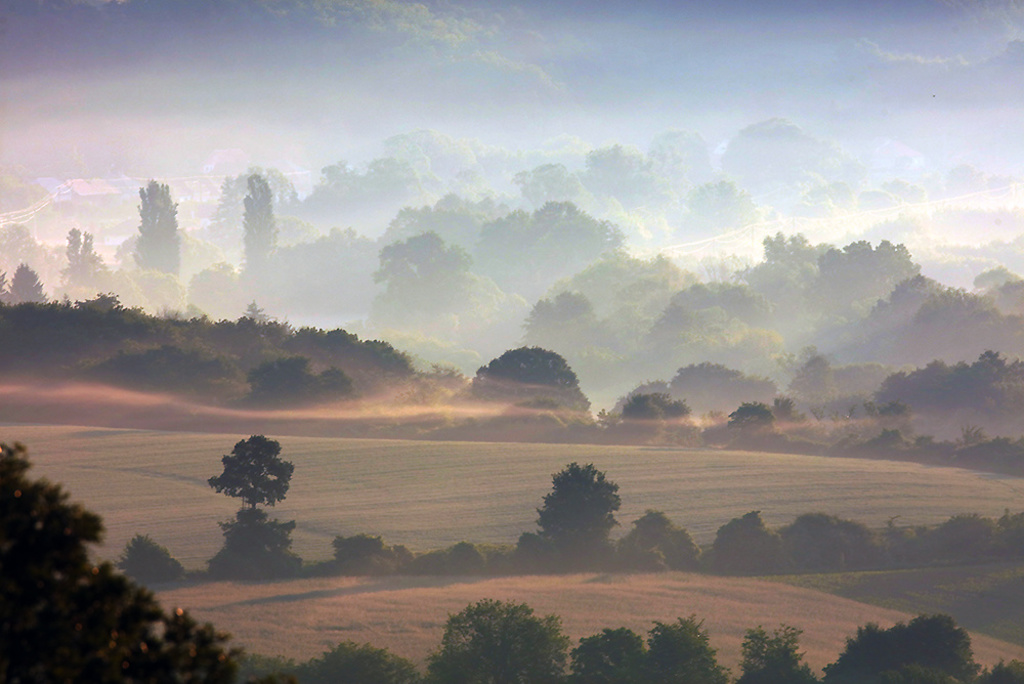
x=159, y=245
x=26, y=287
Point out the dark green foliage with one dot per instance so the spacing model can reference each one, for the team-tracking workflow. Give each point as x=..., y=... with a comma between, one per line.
x=288, y=380
x=681, y=652
x=255, y=548
x=530, y=372
x=149, y=563
x=655, y=543
x=463, y=558
x=962, y=537
x=990, y=385
x=654, y=406
x=363, y=554
x=493, y=641
x=1004, y=673
x=159, y=245
x=64, y=619
x=170, y=368
x=932, y=642
x=860, y=275
x=752, y=418
x=818, y=542
x=69, y=340
x=773, y=658
x=254, y=472
x=745, y=546
x=354, y=663
x=578, y=515
x=259, y=229
x=615, y=656
x=25, y=287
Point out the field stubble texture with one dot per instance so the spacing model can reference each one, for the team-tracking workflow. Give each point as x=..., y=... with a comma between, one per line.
x=432, y=494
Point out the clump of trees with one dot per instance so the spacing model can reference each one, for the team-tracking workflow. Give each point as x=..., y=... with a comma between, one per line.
x=530, y=374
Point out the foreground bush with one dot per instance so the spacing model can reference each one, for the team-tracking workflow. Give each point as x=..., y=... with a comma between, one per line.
x=146, y=561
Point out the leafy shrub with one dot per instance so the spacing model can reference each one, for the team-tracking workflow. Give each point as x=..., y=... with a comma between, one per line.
x=362, y=554
x=146, y=561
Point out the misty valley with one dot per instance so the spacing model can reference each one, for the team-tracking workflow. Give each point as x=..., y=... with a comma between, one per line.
x=394, y=342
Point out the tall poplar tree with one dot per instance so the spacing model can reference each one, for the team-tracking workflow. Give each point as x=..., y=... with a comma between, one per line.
x=159, y=245
x=260, y=230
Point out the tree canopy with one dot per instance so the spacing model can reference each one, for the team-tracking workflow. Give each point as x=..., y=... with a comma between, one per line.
x=254, y=472
x=529, y=372
x=579, y=513
x=501, y=643
x=159, y=245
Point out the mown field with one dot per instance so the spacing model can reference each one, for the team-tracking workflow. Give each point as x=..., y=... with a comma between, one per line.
x=431, y=494
x=301, y=619
x=988, y=599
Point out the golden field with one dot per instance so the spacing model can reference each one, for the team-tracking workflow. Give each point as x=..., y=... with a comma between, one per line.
x=302, y=618
x=430, y=494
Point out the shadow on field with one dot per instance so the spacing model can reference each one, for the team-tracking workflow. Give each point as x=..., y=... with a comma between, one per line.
x=364, y=587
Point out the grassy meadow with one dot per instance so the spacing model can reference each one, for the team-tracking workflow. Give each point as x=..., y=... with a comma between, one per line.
x=988, y=599
x=431, y=494
x=300, y=619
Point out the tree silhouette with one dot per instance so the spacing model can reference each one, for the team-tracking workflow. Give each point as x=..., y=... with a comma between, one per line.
x=254, y=472
x=579, y=513
x=260, y=230
x=492, y=641
x=84, y=264
x=26, y=287
x=62, y=618
x=159, y=245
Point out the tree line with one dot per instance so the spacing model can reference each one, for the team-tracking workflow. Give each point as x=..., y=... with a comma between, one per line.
x=574, y=526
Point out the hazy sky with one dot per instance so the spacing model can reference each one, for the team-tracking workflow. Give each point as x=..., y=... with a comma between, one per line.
x=160, y=83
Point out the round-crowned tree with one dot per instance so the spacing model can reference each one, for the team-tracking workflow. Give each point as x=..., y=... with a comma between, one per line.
x=494, y=641
x=530, y=373
x=578, y=515
x=254, y=472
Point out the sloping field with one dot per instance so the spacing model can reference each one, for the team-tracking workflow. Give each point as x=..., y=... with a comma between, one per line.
x=988, y=599
x=301, y=619
x=430, y=494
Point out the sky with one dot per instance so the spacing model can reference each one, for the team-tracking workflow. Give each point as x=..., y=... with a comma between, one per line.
x=153, y=86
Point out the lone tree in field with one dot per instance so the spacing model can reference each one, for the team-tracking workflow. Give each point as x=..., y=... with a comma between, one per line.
x=255, y=547
x=159, y=245
x=579, y=513
x=260, y=230
x=254, y=472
